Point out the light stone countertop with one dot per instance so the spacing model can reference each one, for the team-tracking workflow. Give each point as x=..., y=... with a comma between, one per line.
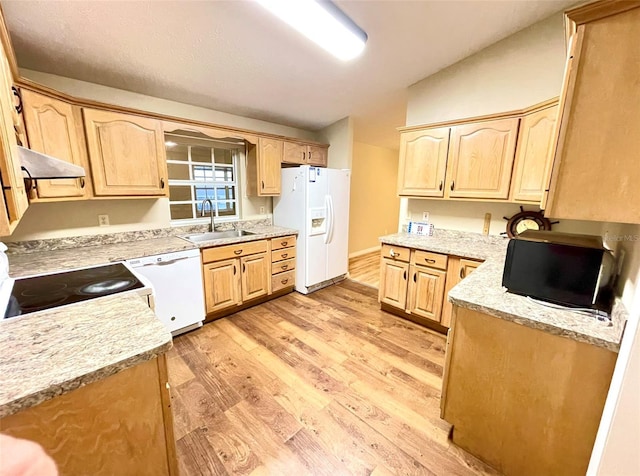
x=49, y=261
x=482, y=290
x=48, y=353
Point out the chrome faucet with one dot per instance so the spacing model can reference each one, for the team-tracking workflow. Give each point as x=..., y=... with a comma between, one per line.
x=211, y=209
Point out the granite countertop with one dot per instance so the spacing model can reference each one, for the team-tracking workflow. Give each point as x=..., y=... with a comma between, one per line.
x=482, y=290
x=49, y=353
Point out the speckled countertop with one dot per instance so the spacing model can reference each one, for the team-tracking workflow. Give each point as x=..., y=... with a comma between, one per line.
x=482, y=290
x=49, y=353
x=46, y=261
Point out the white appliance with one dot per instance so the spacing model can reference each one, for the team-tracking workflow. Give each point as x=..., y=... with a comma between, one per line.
x=177, y=280
x=315, y=201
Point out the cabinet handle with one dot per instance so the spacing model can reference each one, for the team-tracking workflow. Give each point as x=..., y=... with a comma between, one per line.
x=263, y=185
x=244, y=267
x=173, y=318
x=285, y=266
x=430, y=260
x=440, y=186
x=284, y=255
x=309, y=155
x=404, y=276
x=81, y=182
x=304, y=155
x=16, y=93
x=161, y=183
x=283, y=243
x=237, y=252
x=234, y=270
x=393, y=254
x=285, y=281
x=414, y=277
x=462, y=273
x=453, y=182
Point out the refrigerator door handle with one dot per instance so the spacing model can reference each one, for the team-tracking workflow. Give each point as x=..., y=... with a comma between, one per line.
x=333, y=219
x=329, y=215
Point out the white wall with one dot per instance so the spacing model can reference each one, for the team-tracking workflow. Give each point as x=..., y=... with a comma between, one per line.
x=340, y=137
x=55, y=220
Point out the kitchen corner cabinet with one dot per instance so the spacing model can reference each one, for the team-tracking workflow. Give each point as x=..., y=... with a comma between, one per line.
x=13, y=200
x=596, y=166
x=54, y=128
x=423, y=162
x=119, y=425
x=414, y=283
x=127, y=154
x=533, y=155
x=264, y=160
x=481, y=159
x=523, y=400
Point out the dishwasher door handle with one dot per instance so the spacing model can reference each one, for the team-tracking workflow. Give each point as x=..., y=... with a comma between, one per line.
x=164, y=263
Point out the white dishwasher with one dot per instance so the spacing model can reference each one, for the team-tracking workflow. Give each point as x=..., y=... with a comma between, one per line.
x=177, y=281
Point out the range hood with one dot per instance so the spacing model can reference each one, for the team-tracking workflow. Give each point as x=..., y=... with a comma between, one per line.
x=42, y=166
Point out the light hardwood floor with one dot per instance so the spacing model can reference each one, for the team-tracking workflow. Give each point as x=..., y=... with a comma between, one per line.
x=323, y=384
x=365, y=269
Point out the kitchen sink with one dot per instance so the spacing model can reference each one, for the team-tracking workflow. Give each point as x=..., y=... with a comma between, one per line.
x=216, y=235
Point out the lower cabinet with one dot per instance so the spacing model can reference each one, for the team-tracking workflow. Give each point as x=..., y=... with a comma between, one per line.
x=415, y=283
x=241, y=275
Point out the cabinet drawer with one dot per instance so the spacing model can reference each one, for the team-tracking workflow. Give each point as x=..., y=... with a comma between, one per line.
x=233, y=251
x=284, y=253
x=396, y=252
x=433, y=260
x=282, y=280
x=282, y=266
x=284, y=242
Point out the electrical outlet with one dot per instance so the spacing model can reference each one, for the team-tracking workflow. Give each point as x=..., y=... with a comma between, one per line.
x=425, y=216
x=262, y=211
x=487, y=223
x=103, y=220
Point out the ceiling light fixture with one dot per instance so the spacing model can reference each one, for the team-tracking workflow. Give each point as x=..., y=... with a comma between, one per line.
x=322, y=22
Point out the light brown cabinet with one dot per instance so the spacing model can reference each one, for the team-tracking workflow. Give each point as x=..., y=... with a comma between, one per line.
x=264, y=160
x=54, y=128
x=90, y=430
x=127, y=154
x=481, y=158
x=283, y=263
x=414, y=283
x=423, y=162
x=256, y=274
x=533, y=155
x=302, y=154
x=222, y=285
x=13, y=200
x=596, y=170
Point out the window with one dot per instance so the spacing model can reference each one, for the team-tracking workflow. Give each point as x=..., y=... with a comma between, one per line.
x=200, y=169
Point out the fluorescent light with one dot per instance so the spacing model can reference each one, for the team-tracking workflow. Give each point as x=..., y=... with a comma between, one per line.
x=170, y=143
x=322, y=22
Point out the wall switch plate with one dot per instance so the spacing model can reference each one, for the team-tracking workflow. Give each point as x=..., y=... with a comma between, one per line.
x=487, y=223
x=262, y=211
x=103, y=220
x=425, y=216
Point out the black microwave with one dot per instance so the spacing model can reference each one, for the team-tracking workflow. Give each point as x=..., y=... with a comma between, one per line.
x=561, y=268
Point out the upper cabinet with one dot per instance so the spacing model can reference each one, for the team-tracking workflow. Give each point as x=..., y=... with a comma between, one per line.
x=269, y=160
x=423, y=161
x=13, y=200
x=533, y=155
x=317, y=155
x=481, y=158
x=127, y=154
x=301, y=154
x=596, y=166
x=54, y=128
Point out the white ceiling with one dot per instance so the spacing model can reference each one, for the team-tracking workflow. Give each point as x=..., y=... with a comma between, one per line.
x=235, y=57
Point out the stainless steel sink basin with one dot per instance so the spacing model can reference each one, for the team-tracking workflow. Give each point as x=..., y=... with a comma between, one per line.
x=216, y=235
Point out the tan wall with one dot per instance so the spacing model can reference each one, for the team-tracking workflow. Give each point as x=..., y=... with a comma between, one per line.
x=340, y=136
x=374, y=204
x=55, y=220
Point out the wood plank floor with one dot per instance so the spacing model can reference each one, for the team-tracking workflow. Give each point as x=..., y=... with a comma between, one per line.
x=365, y=269
x=323, y=384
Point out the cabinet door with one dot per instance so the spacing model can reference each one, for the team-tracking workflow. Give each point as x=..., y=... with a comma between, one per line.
x=256, y=276
x=269, y=160
x=14, y=194
x=393, y=283
x=294, y=153
x=423, y=161
x=426, y=291
x=458, y=269
x=533, y=154
x=55, y=128
x=467, y=267
x=317, y=156
x=127, y=154
x=222, y=284
x=481, y=158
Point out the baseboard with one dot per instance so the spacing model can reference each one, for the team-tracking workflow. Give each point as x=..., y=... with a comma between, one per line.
x=355, y=254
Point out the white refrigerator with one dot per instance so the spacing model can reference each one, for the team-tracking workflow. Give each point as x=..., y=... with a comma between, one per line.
x=315, y=201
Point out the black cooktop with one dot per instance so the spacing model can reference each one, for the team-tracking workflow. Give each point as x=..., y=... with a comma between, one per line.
x=52, y=290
